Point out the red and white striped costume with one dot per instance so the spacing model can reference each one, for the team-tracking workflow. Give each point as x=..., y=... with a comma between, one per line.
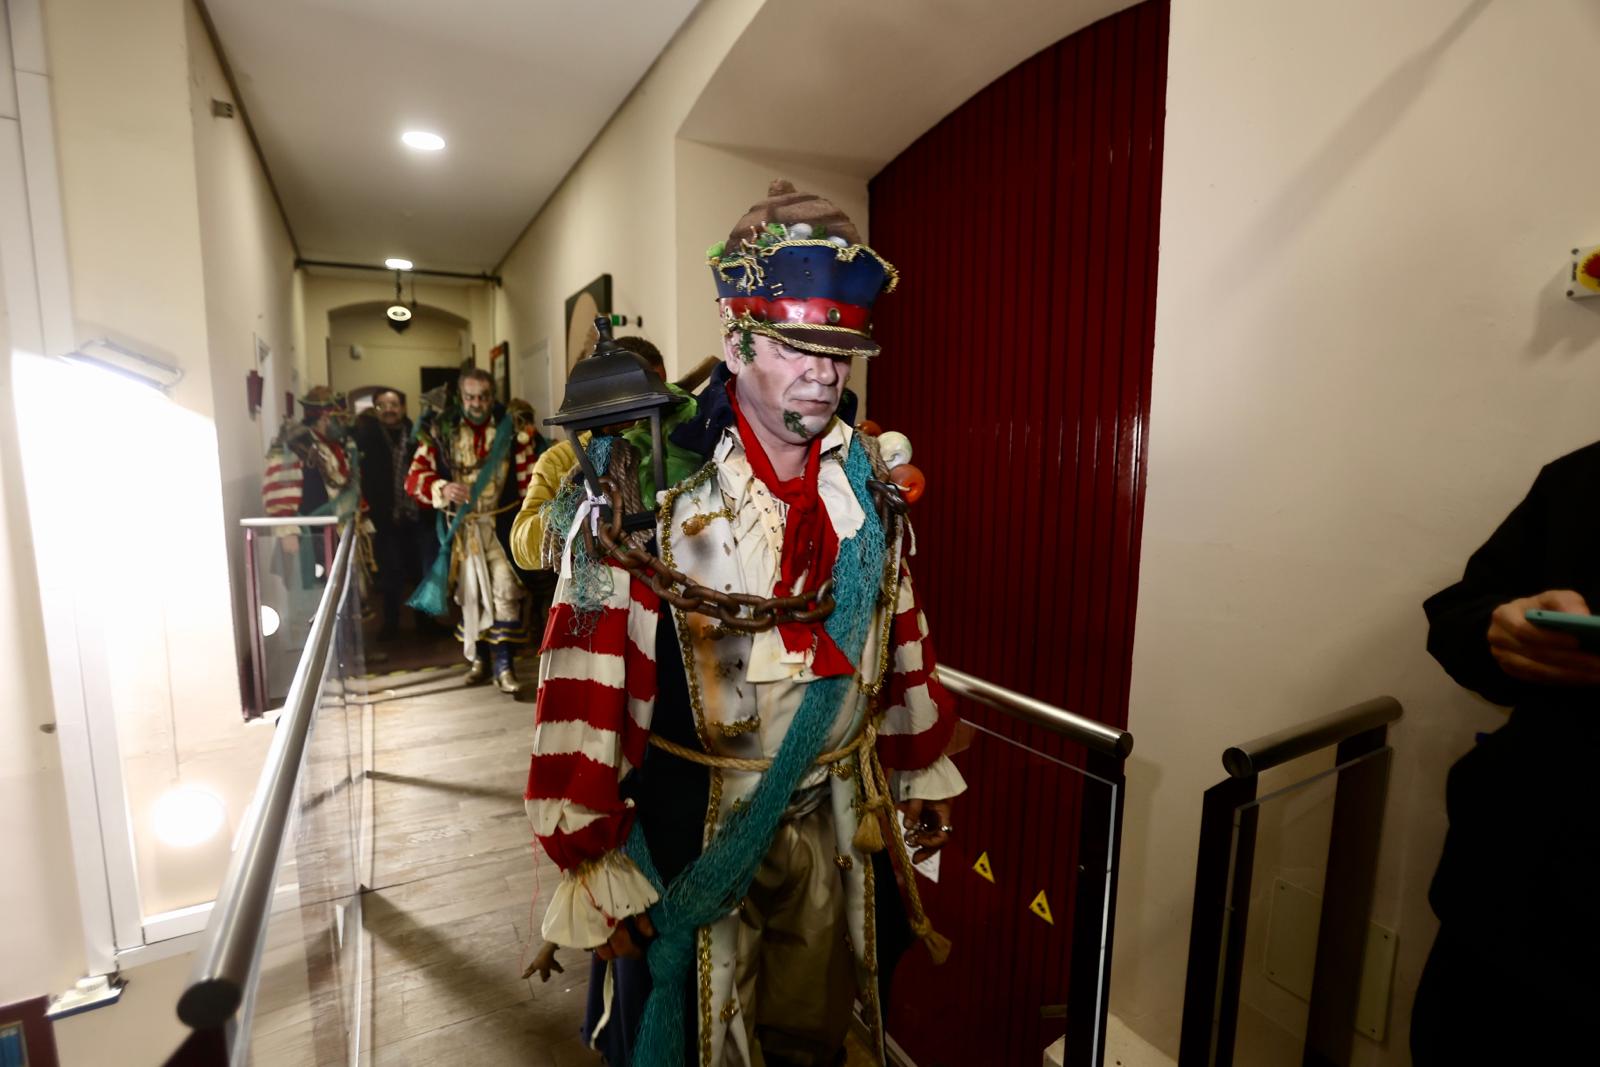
x=486, y=586
x=468, y=443
x=283, y=488
x=597, y=695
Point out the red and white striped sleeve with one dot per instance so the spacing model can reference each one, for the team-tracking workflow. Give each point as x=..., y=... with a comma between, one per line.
x=280, y=488
x=597, y=690
x=423, y=480
x=921, y=716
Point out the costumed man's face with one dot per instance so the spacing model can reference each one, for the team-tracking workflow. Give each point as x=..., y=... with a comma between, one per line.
x=477, y=399
x=789, y=394
x=391, y=409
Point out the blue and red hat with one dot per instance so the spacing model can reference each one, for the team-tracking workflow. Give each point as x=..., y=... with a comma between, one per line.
x=794, y=269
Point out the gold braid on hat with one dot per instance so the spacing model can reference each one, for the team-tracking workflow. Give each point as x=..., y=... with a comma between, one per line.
x=764, y=231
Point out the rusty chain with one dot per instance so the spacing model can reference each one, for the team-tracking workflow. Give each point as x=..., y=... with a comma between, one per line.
x=741, y=612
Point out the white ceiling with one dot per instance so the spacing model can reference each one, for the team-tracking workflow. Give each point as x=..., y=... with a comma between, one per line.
x=518, y=89
x=906, y=65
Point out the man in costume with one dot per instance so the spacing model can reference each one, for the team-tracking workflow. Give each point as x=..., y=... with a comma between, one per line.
x=716, y=792
x=472, y=465
x=308, y=468
x=1511, y=977
x=399, y=532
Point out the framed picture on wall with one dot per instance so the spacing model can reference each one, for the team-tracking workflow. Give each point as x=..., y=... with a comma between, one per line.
x=582, y=307
x=500, y=370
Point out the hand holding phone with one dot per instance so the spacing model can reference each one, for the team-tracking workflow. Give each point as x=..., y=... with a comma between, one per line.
x=1540, y=653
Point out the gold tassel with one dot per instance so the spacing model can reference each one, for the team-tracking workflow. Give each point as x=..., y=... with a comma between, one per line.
x=869, y=829
x=938, y=944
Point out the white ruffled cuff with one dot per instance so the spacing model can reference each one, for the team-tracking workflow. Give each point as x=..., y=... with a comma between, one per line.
x=593, y=898
x=939, y=780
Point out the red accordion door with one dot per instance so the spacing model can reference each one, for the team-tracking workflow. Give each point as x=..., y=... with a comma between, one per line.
x=1017, y=359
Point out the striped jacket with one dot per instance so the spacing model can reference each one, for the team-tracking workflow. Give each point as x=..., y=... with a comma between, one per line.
x=598, y=689
x=467, y=444
x=597, y=693
x=284, y=489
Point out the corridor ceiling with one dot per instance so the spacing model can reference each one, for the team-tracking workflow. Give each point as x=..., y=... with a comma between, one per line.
x=517, y=88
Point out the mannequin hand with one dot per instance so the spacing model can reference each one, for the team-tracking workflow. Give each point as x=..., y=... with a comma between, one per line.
x=1534, y=654
x=622, y=945
x=927, y=817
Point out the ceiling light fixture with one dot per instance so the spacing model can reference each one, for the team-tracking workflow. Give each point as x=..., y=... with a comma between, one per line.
x=399, y=313
x=187, y=815
x=397, y=264
x=423, y=141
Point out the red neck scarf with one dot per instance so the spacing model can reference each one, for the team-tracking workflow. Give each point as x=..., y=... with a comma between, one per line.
x=809, y=544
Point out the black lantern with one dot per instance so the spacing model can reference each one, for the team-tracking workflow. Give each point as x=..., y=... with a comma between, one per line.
x=613, y=387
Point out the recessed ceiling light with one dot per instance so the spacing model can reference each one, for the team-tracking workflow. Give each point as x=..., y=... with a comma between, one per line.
x=423, y=140
x=397, y=264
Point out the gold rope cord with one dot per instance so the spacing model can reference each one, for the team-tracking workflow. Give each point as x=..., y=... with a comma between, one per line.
x=736, y=763
x=869, y=935
x=767, y=329
x=846, y=253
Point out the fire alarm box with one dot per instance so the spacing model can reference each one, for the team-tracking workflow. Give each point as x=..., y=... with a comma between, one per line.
x=1584, y=281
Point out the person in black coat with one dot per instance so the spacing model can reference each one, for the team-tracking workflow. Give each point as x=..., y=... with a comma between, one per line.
x=402, y=534
x=1513, y=969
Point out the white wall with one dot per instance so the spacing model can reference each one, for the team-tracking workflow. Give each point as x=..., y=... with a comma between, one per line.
x=617, y=211
x=1363, y=355
x=321, y=295
x=142, y=1030
x=248, y=263
x=388, y=358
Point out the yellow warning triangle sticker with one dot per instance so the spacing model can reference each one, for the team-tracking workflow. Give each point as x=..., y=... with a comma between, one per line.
x=983, y=868
x=1041, y=908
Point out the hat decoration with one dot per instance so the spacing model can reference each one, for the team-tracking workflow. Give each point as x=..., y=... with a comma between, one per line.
x=320, y=398
x=794, y=269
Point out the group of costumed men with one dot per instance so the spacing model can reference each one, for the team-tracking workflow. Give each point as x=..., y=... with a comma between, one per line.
x=471, y=465
x=717, y=786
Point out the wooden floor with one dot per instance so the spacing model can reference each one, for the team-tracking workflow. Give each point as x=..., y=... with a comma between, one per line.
x=451, y=915
x=452, y=912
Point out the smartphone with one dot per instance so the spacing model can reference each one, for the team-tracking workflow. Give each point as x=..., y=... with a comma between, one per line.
x=1586, y=628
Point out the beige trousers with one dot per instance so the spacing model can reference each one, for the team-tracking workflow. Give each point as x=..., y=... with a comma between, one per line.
x=794, y=968
x=486, y=587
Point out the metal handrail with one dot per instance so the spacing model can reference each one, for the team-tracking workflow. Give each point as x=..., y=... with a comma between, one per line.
x=291, y=520
x=1225, y=868
x=238, y=918
x=1269, y=751
x=1095, y=735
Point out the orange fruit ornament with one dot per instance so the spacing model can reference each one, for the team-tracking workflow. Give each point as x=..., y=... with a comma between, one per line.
x=911, y=480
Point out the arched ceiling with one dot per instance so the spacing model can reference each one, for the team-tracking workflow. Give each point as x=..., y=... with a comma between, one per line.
x=849, y=84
